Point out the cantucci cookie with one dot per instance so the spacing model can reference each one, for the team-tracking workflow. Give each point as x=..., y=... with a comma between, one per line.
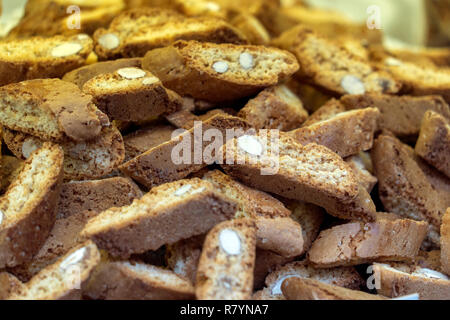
x=445, y=242
x=131, y=94
x=82, y=160
x=28, y=208
x=219, y=72
x=309, y=289
x=139, y=141
x=402, y=115
x=37, y=58
x=408, y=186
x=346, y=277
x=252, y=28
x=64, y=279
x=252, y=203
x=362, y=170
x=9, y=285
x=81, y=75
x=347, y=133
x=225, y=270
x=357, y=243
x=124, y=280
x=166, y=214
x=50, y=109
x=333, y=67
x=274, y=108
x=134, y=32
x=9, y=170
x=312, y=173
x=396, y=279
x=327, y=111
x=433, y=144
x=178, y=157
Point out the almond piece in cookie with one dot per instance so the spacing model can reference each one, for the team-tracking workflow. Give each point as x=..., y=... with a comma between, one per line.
x=225, y=270
x=311, y=173
x=64, y=279
x=331, y=66
x=39, y=58
x=131, y=94
x=168, y=213
x=219, y=72
x=274, y=108
x=50, y=109
x=357, y=243
x=346, y=133
x=124, y=280
x=397, y=279
x=134, y=32
x=28, y=208
x=433, y=144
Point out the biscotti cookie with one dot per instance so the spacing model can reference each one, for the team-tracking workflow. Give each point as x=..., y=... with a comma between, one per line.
x=50, y=109
x=327, y=111
x=398, y=279
x=134, y=32
x=139, y=141
x=177, y=158
x=445, y=242
x=402, y=115
x=81, y=75
x=346, y=277
x=357, y=243
x=64, y=279
x=309, y=289
x=9, y=170
x=124, y=280
x=37, y=58
x=333, y=67
x=347, y=133
x=131, y=94
x=225, y=270
x=28, y=208
x=408, y=186
x=252, y=28
x=429, y=259
x=219, y=72
x=9, y=285
x=311, y=173
x=82, y=160
x=361, y=170
x=274, y=108
x=252, y=203
x=438, y=57
x=166, y=214
x=433, y=144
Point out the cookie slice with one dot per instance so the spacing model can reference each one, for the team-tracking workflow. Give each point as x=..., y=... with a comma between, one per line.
x=28, y=208
x=82, y=160
x=398, y=279
x=9, y=170
x=225, y=270
x=136, y=31
x=9, y=285
x=312, y=173
x=166, y=214
x=131, y=94
x=50, y=109
x=433, y=144
x=357, y=243
x=39, y=58
x=219, y=72
x=331, y=66
x=64, y=279
x=274, y=108
x=124, y=280
x=347, y=133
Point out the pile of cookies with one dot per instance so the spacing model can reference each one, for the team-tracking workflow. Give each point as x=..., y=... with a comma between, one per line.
x=216, y=150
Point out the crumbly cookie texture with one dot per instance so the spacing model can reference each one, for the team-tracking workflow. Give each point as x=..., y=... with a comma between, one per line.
x=219, y=72
x=168, y=213
x=433, y=144
x=50, y=109
x=333, y=67
x=28, y=208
